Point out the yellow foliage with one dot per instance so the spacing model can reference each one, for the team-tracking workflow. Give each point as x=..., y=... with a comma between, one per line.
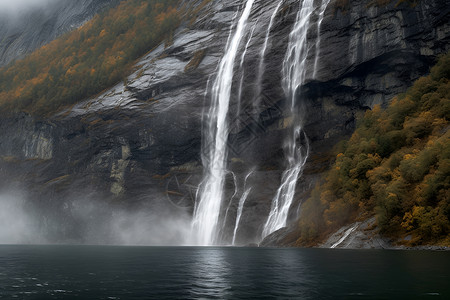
x=408, y=156
x=87, y=60
x=396, y=165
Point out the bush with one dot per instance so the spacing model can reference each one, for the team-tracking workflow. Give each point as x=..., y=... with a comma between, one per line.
x=396, y=165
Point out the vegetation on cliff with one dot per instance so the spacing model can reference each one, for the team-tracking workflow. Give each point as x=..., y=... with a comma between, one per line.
x=85, y=61
x=395, y=166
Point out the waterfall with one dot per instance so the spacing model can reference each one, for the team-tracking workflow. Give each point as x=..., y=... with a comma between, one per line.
x=207, y=209
x=346, y=234
x=323, y=7
x=241, y=207
x=242, y=71
x=296, y=146
x=235, y=182
x=239, y=213
x=261, y=66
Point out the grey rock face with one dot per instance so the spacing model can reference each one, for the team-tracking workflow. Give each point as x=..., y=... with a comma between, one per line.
x=34, y=27
x=141, y=141
x=360, y=235
x=365, y=235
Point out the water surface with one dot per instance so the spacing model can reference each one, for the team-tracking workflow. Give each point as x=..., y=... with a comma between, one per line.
x=101, y=272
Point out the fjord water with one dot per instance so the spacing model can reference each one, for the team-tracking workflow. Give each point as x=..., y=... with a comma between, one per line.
x=99, y=272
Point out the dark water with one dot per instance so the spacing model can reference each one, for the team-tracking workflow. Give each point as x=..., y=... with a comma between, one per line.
x=93, y=272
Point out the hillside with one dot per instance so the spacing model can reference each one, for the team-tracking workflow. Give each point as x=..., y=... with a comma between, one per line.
x=28, y=27
x=110, y=133
x=395, y=166
x=87, y=60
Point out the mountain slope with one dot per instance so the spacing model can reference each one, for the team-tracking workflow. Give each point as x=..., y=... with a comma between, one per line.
x=395, y=166
x=138, y=145
x=86, y=60
x=25, y=31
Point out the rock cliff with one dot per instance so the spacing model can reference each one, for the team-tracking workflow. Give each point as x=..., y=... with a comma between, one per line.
x=140, y=143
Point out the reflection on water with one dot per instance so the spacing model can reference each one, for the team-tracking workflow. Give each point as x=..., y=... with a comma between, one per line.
x=93, y=272
x=211, y=274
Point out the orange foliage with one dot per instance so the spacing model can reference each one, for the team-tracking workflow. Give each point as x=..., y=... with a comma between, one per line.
x=395, y=166
x=87, y=60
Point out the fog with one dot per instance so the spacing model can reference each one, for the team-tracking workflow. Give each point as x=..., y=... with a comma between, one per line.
x=90, y=221
x=16, y=225
x=14, y=11
x=19, y=5
x=143, y=225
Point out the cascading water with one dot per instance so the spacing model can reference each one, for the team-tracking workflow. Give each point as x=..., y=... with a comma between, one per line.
x=296, y=145
x=241, y=207
x=235, y=182
x=242, y=71
x=261, y=67
x=323, y=7
x=207, y=209
x=346, y=234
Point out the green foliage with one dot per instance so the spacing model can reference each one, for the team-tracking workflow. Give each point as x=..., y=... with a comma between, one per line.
x=85, y=61
x=396, y=165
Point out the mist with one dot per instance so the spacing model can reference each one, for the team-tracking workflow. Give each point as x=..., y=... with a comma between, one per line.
x=11, y=9
x=17, y=5
x=90, y=221
x=17, y=226
x=146, y=225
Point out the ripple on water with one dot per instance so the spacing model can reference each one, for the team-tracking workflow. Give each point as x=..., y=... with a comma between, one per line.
x=223, y=273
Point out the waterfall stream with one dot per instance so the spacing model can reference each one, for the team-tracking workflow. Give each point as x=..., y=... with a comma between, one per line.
x=242, y=70
x=323, y=7
x=205, y=224
x=207, y=210
x=241, y=207
x=296, y=146
x=261, y=67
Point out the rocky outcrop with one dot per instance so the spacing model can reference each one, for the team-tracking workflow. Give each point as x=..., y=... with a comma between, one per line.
x=32, y=27
x=360, y=235
x=141, y=141
x=365, y=235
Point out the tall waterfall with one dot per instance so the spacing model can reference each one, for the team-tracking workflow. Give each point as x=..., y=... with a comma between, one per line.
x=296, y=146
x=207, y=209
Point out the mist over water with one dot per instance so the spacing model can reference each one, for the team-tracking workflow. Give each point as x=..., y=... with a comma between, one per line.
x=17, y=226
x=144, y=225
x=90, y=221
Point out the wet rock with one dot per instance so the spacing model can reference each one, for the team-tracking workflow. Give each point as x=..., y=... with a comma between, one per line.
x=359, y=235
x=144, y=136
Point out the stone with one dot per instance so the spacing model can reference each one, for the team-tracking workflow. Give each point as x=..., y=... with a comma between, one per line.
x=130, y=144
